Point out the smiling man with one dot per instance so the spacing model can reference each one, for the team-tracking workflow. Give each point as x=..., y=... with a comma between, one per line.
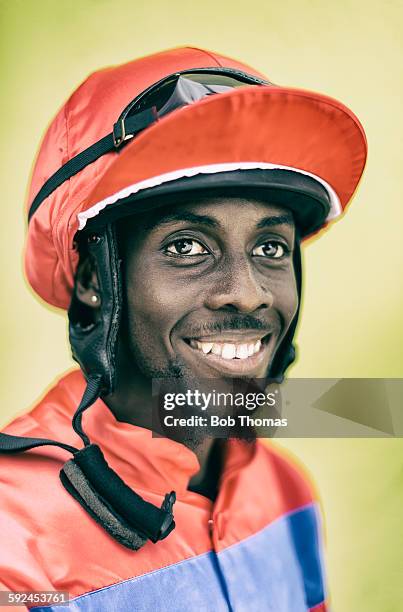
x=212, y=282
x=173, y=240
x=221, y=260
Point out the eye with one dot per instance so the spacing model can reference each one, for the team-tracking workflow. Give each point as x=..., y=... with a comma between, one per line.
x=185, y=246
x=272, y=249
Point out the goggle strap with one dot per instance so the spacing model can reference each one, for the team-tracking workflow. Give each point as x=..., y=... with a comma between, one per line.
x=123, y=130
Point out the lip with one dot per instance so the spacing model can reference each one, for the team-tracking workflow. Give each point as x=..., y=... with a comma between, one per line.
x=251, y=366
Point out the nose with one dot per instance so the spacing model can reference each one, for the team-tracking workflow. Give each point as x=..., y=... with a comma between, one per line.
x=239, y=288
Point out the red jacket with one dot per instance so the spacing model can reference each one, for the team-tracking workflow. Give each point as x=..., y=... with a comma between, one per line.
x=257, y=547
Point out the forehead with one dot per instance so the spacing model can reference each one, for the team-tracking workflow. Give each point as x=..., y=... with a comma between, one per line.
x=226, y=213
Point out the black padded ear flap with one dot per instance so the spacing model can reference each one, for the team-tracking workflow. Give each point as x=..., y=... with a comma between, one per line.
x=286, y=352
x=94, y=344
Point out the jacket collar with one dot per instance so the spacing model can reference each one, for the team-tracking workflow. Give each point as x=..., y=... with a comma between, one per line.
x=151, y=463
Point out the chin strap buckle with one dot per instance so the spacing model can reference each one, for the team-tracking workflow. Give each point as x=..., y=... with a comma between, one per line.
x=167, y=507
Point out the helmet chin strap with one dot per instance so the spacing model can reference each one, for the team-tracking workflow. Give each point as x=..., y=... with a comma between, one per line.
x=126, y=516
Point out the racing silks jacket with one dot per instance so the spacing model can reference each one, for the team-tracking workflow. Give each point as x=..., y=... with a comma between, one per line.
x=257, y=548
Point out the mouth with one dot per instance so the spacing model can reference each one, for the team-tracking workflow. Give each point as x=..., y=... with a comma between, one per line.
x=236, y=354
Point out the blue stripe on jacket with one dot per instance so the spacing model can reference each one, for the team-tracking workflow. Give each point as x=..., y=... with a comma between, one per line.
x=277, y=569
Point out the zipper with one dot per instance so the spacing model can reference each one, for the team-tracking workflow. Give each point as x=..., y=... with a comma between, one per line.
x=210, y=523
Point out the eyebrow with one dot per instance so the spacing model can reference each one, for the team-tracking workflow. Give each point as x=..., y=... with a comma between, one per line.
x=275, y=220
x=187, y=216
x=269, y=221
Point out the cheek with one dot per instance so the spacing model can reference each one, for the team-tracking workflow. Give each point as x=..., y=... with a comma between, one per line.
x=145, y=296
x=156, y=298
x=286, y=298
x=147, y=320
x=292, y=299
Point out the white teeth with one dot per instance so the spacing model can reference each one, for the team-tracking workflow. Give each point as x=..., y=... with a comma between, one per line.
x=228, y=351
x=206, y=347
x=217, y=348
x=242, y=351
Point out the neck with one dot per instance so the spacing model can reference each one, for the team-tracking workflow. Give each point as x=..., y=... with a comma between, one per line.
x=210, y=454
x=135, y=406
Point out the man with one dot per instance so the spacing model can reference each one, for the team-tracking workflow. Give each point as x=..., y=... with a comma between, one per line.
x=173, y=240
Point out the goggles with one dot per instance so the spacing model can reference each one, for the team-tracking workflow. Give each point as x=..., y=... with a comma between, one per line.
x=161, y=98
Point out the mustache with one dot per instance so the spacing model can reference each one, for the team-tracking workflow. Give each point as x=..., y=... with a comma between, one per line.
x=241, y=322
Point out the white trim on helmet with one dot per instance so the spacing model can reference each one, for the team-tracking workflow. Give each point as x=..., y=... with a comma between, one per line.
x=93, y=211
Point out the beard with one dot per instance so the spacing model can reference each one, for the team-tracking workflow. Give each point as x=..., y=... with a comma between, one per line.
x=174, y=377
x=223, y=417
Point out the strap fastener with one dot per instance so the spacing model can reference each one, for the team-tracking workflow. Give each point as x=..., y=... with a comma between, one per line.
x=119, y=133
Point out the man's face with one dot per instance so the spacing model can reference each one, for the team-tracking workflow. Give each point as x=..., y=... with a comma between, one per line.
x=210, y=288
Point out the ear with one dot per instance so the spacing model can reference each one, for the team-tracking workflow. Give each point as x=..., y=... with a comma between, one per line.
x=87, y=285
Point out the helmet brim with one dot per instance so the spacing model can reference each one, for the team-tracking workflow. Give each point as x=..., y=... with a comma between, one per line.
x=242, y=139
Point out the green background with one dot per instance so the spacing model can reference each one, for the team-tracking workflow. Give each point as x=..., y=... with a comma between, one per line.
x=351, y=317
